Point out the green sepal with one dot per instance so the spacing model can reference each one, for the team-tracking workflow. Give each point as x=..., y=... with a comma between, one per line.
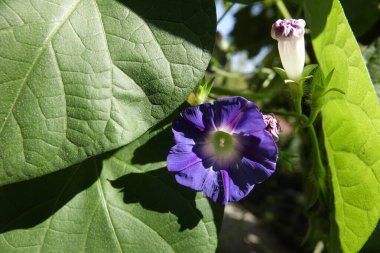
x=288, y=81
x=308, y=70
x=201, y=92
x=306, y=73
x=281, y=72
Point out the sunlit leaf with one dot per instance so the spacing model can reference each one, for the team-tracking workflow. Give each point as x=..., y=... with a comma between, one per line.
x=351, y=125
x=80, y=77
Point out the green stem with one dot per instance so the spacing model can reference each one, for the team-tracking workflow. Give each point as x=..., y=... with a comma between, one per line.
x=297, y=94
x=282, y=8
x=299, y=98
x=313, y=116
x=225, y=13
x=319, y=169
x=229, y=74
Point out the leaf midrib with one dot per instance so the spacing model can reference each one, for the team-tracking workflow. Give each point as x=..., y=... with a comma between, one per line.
x=105, y=205
x=37, y=59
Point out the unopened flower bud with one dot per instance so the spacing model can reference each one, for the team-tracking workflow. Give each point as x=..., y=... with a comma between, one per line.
x=272, y=126
x=291, y=45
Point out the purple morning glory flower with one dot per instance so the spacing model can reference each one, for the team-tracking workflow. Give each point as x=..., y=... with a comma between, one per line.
x=222, y=148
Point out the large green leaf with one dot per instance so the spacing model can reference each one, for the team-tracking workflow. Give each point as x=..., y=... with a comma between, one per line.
x=126, y=201
x=351, y=124
x=80, y=77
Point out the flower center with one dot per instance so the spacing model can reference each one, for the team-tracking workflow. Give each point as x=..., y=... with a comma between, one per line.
x=222, y=142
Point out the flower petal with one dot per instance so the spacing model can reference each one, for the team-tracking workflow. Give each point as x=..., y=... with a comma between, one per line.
x=292, y=54
x=186, y=133
x=193, y=176
x=254, y=172
x=227, y=112
x=240, y=184
x=237, y=115
x=250, y=121
x=181, y=156
x=184, y=155
x=259, y=148
x=216, y=186
x=201, y=116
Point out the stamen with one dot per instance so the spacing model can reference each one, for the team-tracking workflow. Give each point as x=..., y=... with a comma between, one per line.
x=221, y=143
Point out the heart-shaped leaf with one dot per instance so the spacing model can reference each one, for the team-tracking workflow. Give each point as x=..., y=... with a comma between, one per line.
x=80, y=77
x=351, y=125
x=126, y=201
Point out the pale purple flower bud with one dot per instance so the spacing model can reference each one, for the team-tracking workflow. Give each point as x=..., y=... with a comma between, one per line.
x=291, y=45
x=272, y=126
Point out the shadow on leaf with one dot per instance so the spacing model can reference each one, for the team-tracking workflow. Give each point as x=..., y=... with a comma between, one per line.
x=158, y=191
x=317, y=13
x=160, y=143
x=29, y=203
x=189, y=20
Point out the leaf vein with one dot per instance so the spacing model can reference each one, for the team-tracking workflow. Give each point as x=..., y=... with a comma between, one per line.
x=37, y=59
x=105, y=206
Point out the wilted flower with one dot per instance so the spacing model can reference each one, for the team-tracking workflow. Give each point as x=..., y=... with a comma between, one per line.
x=272, y=126
x=222, y=149
x=291, y=45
